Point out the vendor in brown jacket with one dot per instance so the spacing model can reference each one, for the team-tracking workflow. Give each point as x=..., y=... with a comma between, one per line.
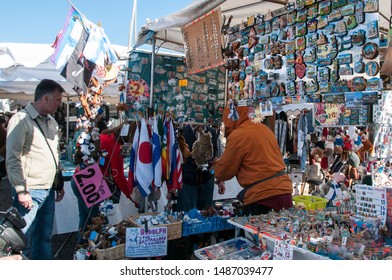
x=252, y=155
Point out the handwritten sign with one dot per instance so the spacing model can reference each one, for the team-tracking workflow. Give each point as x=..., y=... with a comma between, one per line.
x=146, y=243
x=328, y=114
x=203, y=42
x=371, y=202
x=283, y=251
x=91, y=185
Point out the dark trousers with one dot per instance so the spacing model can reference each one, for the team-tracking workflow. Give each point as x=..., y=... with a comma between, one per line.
x=196, y=196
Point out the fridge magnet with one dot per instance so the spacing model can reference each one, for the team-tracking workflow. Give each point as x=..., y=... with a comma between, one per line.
x=311, y=87
x=258, y=48
x=309, y=2
x=322, y=22
x=268, y=28
x=370, y=50
x=275, y=24
x=311, y=40
x=357, y=84
x=290, y=47
x=311, y=71
x=359, y=13
x=358, y=37
x=345, y=58
x=371, y=6
x=372, y=68
x=310, y=56
x=260, y=28
x=338, y=3
x=300, y=67
x=265, y=91
x=324, y=87
x=346, y=44
x=268, y=63
x=372, y=28
x=274, y=38
x=324, y=8
x=323, y=75
x=282, y=21
x=300, y=87
x=282, y=35
x=290, y=58
x=312, y=25
x=291, y=33
x=345, y=70
x=275, y=89
x=334, y=72
x=278, y=62
x=301, y=29
x=264, y=40
x=322, y=39
x=352, y=22
x=312, y=11
x=290, y=73
x=330, y=29
x=302, y=15
x=268, y=16
x=292, y=18
x=300, y=43
x=348, y=10
x=335, y=15
x=359, y=66
x=300, y=4
x=374, y=84
x=341, y=29
x=263, y=77
x=290, y=88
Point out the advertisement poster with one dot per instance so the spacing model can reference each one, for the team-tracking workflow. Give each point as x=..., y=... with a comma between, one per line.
x=142, y=243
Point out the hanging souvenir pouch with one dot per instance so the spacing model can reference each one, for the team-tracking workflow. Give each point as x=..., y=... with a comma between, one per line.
x=386, y=68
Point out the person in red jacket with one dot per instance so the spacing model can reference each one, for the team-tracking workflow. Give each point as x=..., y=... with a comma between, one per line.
x=252, y=155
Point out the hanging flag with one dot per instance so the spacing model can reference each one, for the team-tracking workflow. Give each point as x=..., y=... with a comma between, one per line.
x=98, y=48
x=233, y=115
x=170, y=143
x=78, y=69
x=144, y=168
x=132, y=161
x=67, y=38
x=156, y=154
x=175, y=182
x=165, y=157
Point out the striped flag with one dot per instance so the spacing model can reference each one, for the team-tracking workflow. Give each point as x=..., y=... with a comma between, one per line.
x=132, y=161
x=175, y=182
x=165, y=157
x=98, y=48
x=67, y=38
x=171, y=143
x=156, y=154
x=144, y=168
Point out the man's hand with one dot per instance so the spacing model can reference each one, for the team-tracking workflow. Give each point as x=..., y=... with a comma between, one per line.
x=25, y=200
x=59, y=195
x=221, y=187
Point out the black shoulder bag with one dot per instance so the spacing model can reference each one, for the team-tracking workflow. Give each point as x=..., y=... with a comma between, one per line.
x=58, y=182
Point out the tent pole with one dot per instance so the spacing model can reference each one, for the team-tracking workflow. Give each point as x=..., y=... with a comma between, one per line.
x=151, y=108
x=67, y=128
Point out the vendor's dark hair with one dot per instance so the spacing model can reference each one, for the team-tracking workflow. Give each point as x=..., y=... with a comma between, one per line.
x=45, y=87
x=117, y=130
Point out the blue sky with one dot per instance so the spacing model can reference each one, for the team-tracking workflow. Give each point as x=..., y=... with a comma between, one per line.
x=26, y=21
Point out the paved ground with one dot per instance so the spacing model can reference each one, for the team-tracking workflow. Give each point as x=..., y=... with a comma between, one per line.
x=63, y=244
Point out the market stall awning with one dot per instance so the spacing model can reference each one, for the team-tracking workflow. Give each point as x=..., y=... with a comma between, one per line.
x=167, y=29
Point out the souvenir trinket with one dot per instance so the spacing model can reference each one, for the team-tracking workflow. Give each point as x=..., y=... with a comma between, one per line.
x=327, y=52
x=290, y=73
x=330, y=29
x=282, y=21
x=358, y=37
x=263, y=77
x=282, y=35
x=268, y=63
x=309, y=2
x=300, y=87
x=311, y=87
x=290, y=88
x=310, y=56
x=359, y=66
x=290, y=47
x=300, y=67
x=372, y=68
x=357, y=84
x=372, y=28
x=312, y=11
x=348, y=10
x=338, y=3
x=374, y=84
x=265, y=91
x=370, y=50
x=245, y=52
x=341, y=29
x=324, y=8
x=260, y=29
x=292, y=18
x=302, y=15
x=277, y=62
x=323, y=75
x=324, y=87
x=345, y=44
x=300, y=4
x=258, y=48
x=345, y=70
x=311, y=40
x=291, y=33
x=290, y=58
x=264, y=40
x=275, y=24
x=268, y=28
x=351, y=22
x=312, y=25
x=359, y=13
x=371, y=6
x=244, y=40
x=300, y=43
x=322, y=39
x=322, y=22
x=271, y=76
x=345, y=58
x=334, y=71
x=275, y=89
x=311, y=72
x=335, y=15
x=274, y=38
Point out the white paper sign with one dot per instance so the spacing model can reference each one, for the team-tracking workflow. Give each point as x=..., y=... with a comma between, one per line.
x=124, y=130
x=283, y=251
x=371, y=202
x=141, y=243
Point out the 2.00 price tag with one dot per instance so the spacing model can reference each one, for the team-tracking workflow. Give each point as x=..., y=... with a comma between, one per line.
x=91, y=185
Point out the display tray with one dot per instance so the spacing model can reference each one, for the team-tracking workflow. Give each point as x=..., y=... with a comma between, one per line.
x=224, y=249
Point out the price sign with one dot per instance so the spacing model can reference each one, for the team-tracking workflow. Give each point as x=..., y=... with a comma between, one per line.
x=283, y=251
x=371, y=202
x=91, y=185
x=183, y=83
